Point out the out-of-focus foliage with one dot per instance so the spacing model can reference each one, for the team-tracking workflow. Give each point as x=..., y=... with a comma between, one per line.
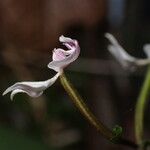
x=9, y=139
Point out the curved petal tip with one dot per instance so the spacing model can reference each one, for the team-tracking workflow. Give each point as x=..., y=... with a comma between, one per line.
x=62, y=58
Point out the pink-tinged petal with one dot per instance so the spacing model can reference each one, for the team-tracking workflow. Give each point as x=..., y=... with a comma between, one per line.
x=122, y=56
x=58, y=54
x=62, y=58
x=65, y=39
x=33, y=89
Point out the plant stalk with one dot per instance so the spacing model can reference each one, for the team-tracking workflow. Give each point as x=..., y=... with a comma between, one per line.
x=140, y=108
x=83, y=108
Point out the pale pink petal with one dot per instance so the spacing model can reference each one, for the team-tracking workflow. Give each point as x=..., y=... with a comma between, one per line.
x=62, y=58
x=58, y=54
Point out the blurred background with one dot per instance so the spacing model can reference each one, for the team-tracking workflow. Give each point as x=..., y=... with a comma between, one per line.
x=29, y=31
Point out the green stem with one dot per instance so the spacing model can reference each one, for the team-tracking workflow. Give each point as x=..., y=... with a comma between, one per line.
x=101, y=128
x=77, y=100
x=140, y=108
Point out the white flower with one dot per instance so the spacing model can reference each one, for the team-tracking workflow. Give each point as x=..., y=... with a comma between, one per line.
x=123, y=57
x=60, y=59
x=33, y=89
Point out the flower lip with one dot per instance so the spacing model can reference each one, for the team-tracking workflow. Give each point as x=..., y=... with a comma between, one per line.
x=62, y=58
x=32, y=94
x=33, y=89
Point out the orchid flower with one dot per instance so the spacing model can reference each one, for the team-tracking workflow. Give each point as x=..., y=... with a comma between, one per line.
x=125, y=59
x=60, y=59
